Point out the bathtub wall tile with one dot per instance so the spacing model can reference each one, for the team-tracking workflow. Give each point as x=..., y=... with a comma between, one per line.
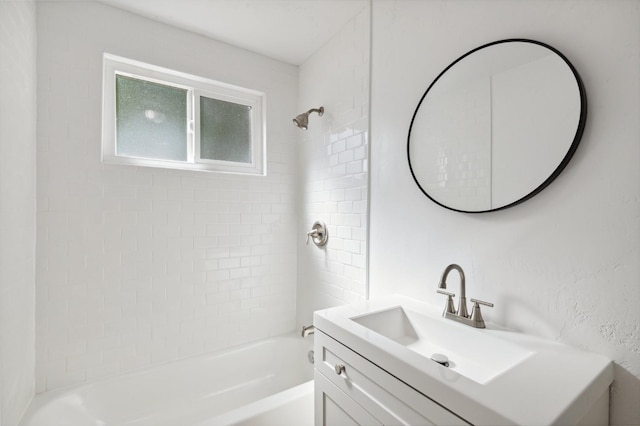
x=18, y=79
x=334, y=178
x=140, y=266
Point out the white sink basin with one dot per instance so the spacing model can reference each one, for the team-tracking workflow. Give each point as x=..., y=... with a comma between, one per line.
x=471, y=353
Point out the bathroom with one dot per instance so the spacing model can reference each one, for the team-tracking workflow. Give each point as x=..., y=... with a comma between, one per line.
x=107, y=270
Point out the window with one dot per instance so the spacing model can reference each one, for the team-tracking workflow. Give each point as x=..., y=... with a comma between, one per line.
x=157, y=117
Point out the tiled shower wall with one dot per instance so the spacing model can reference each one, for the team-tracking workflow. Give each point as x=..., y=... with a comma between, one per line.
x=333, y=170
x=17, y=207
x=139, y=266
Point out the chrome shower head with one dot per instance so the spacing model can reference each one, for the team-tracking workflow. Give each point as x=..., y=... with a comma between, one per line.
x=302, y=120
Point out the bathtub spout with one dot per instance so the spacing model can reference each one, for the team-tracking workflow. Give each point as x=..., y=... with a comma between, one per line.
x=307, y=330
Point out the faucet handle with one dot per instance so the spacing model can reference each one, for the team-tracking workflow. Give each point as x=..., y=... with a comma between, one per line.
x=449, y=307
x=481, y=302
x=476, y=315
x=312, y=234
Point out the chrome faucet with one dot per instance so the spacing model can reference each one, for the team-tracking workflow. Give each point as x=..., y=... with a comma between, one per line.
x=462, y=301
x=461, y=314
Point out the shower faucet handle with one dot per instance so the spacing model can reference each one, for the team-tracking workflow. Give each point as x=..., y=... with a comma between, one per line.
x=319, y=233
x=312, y=233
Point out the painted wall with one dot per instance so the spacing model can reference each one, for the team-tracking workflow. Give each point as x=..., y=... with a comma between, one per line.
x=17, y=207
x=139, y=266
x=563, y=265
x=333, y=170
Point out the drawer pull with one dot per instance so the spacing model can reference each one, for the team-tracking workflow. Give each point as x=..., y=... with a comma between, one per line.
x=339, y=369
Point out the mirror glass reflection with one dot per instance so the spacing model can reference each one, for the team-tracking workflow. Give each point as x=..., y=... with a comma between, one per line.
x=496, y=126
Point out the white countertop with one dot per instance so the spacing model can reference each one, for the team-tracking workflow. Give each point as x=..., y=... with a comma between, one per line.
x=556, y=384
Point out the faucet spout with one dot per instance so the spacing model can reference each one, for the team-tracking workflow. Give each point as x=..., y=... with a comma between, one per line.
x=462, y=301
x=307, y=330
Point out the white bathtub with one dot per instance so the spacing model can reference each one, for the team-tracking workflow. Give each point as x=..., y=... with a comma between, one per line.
x=266, y=383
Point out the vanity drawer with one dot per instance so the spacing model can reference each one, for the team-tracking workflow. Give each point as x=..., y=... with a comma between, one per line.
x=389, y=400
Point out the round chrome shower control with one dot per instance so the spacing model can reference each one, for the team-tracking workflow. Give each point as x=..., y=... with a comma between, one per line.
x=318, y=234
x=339, y=369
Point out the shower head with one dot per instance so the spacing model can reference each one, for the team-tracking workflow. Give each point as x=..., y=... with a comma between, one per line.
x=302, y=120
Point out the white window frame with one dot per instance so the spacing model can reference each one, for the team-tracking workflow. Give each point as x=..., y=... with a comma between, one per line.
x=196, y=86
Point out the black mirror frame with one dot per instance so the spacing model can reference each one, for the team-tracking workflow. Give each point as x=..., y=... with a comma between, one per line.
x=572, y=149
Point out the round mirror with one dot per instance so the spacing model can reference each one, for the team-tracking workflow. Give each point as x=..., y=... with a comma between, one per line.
x=496, y=126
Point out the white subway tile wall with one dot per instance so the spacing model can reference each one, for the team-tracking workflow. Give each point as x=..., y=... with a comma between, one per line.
x=333, y=170
x=140, y=266
x=17, y=207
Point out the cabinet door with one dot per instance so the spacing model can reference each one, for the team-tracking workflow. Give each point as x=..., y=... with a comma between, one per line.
x=334, y=408
x=383, y=396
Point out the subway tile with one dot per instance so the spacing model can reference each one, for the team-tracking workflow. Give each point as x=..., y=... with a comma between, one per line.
x=118, y=354
x=360, y=153
x=354, y=167
x=62, y=351
x=81, y=362
x=61, y=379
x=237, y=273
x=229, y=263
x=354, y=141
x=352, y=247
x=244, y=230
x=345, y=207
x=216, y=276
x=99, y=371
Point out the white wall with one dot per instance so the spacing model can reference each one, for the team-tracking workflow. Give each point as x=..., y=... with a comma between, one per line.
x=333, y=170
x=139, y=266
x=17, y=207
x=563, y=265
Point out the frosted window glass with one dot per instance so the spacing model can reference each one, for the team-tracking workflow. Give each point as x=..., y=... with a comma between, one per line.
x=151, y=120
x=225, y=131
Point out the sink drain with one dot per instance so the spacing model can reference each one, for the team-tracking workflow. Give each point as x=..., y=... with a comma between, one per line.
x=440, y=359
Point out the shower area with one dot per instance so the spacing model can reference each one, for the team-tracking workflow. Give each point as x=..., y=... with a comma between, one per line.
x=141, y=267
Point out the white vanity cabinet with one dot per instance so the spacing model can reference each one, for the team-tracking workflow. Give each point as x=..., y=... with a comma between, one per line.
x=350, y=390
x=374, y=365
